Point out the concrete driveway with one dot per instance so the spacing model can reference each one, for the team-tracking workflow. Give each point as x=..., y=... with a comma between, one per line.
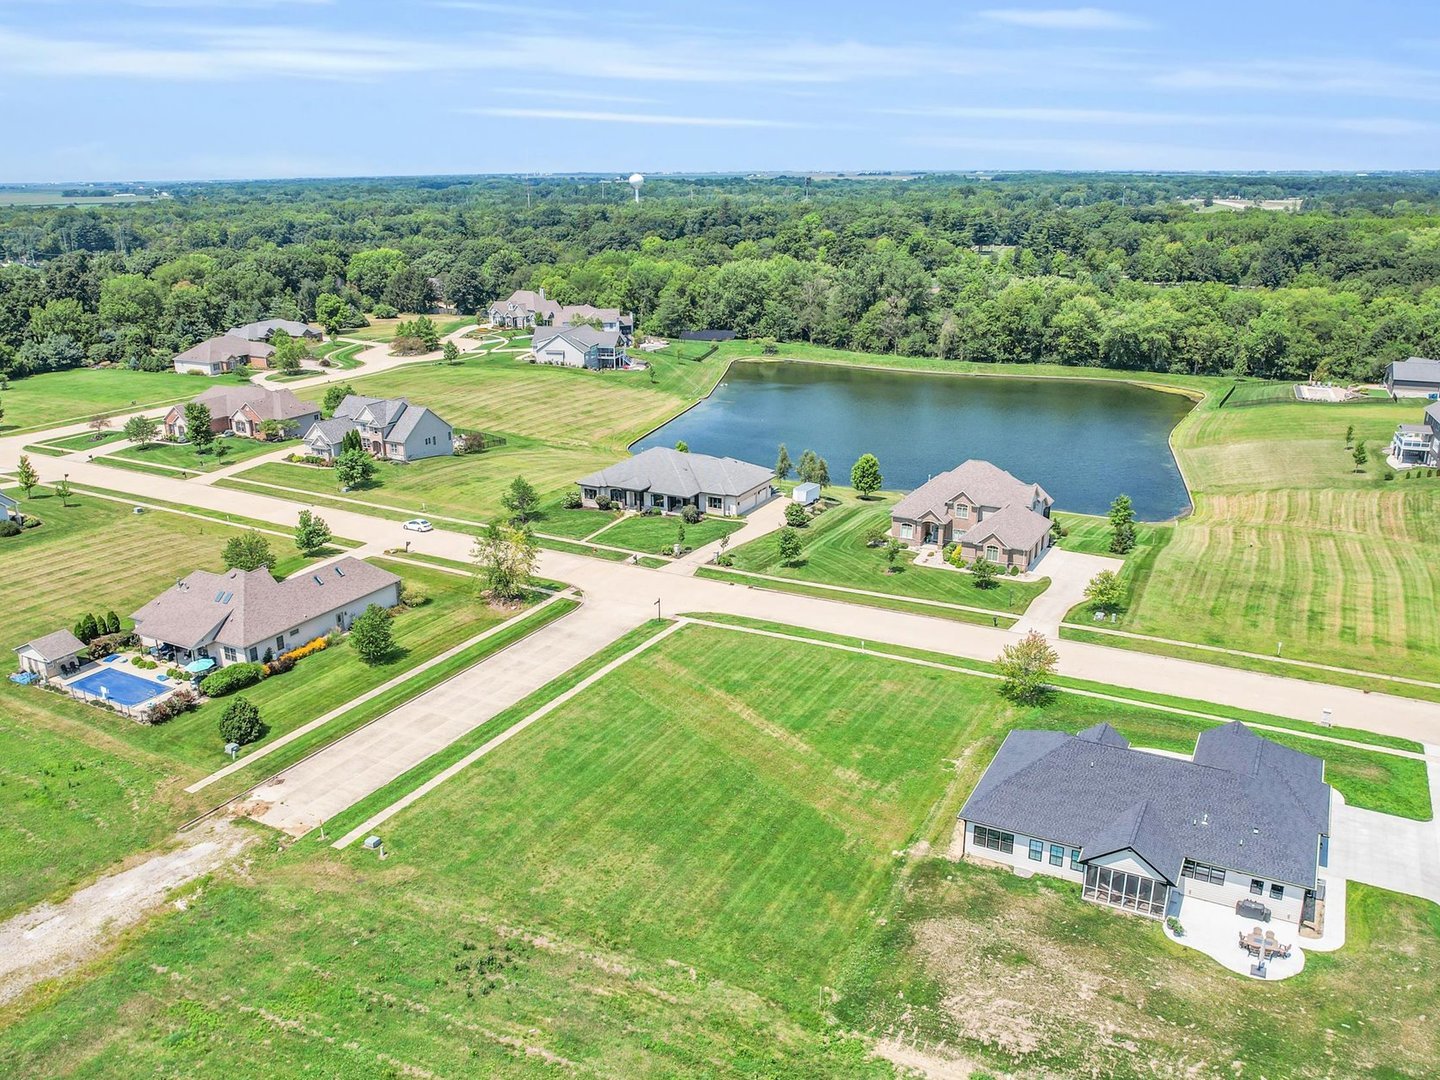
x=1069, y=572
x=1392, y=852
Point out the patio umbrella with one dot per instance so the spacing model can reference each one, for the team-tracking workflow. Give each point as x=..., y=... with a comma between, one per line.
x=195, y=667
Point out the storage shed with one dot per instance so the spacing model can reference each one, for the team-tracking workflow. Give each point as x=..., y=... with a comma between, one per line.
x=805, y=494
x=51, y=655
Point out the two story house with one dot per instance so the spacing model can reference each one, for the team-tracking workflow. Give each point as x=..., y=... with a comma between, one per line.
x=1418, y=444
x=981, y=507
x=389, y=428
x=579, y=346
x=525, y=309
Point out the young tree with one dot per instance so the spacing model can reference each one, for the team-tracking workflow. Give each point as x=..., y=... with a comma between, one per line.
x=63, y=490
x=790, y=550
x=1025, y=668
x=141, y=430
x=372, y=635
x=99, y=425
x=331, y=312
x=247, y=551
x=820, y=473
x=355, y=469
x=334, y=395
x=240, y=722
x=795, y=516
x=504, y=561
x=289, y=351
x=311, y=532
x=1361, y=455
x=521, y=500
x=983, y=573
x=1104, y=591
x=451, y=353
x=26, y=476
x=783, y=466
x=1122, y=525
x=865, y=476
x=112, y=623
x=272, y=430
x=1349, y=436
x=682, y=446
x=893, y=547
x=197, y=426
x=679, y=545
x=805, y=466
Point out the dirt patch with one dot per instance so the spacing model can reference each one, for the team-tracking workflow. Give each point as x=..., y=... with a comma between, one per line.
x=933, y=1063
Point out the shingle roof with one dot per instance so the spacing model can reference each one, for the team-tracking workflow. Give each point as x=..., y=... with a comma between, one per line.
x=352, y=405
x=670, y=472
x=268, y=404
x=408, y=420
x=6, y=500
x=223, y=348
x=582, y=337
x=243, y=607
x=1245, y=803
x=983, y=483
x=1015, y=527
x=56, y=646
x=260, y=331
x=1415, y=369
x=1432, y=412
x=330, y=431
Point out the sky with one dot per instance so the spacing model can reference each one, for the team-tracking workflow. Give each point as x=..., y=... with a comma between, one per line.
x=217, y=89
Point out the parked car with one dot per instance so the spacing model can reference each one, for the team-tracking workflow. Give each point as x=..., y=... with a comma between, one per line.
x=419, y=525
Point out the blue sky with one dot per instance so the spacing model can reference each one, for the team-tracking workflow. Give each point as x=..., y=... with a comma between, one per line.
x=200, y=89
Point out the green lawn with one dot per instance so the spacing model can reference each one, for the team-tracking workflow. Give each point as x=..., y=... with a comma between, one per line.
x=185, y=457
x=87, y=441
x=384, y=329
x=657, y=533
x=833, y=546
x=60, y=397
x=701, y=867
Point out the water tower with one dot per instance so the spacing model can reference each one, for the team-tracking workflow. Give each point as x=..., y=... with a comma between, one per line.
x=635, y=181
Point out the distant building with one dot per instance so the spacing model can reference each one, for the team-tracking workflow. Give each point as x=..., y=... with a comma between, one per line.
x=669, y=480
x=981, y=507
x=244, y=410
x=579, y=346
x=265, y=330
x=390, y=428
x=525, y=309
x=707, y=335
x=9, y=508
x=1415, y=377
x=221, y=354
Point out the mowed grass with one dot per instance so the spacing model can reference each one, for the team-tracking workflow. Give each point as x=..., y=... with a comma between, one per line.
x=186, y=458
x=74, y=396
x=833, y=547
x=657, y=532
x=700, y=866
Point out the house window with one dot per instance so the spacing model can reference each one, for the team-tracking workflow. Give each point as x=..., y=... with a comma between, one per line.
x=992, y=552
x=254, y=654
x=590, y=493
x=230, y=654
x=994, y=839
x=907, y=532
x=714, y=502
x=961, y=510
x=280, y=643
x=1057, y=855
x=616, y=495
x=1200, y=872
x=1037, y=848
x=1129, y=891
x=1075, y=859
x=1277, y=892
x=1257, y=887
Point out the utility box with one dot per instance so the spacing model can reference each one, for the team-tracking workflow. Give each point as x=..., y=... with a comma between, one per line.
x=805, y=494
x=371, y=843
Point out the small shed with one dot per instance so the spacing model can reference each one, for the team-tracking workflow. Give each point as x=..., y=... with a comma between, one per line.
x=52, y=654
x=805, y=494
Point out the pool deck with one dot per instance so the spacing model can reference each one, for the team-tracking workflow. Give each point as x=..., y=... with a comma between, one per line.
x=124, y=666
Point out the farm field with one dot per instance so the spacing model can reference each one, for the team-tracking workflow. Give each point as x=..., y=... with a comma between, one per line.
x=698, y=866
x=74, y=396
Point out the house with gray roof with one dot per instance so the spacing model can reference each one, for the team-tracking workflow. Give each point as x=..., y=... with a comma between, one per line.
x=241, y=615
x=578, y=346
x=51, y=655
x=1417, y=444
x=669, y=480
x=981, y=507
x=1416, y=377
x=525, y=309
x=1243, y=819
x=392, y=429
x=244, y=410
x=266, y=328
x=221, y=354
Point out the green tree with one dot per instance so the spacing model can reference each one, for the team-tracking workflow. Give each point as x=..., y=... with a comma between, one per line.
x=1361, y=455
x=331, y=312
x=26, y=476
x=351, y=441
x=679, y=537
x=1104, y=590
x=355, y=469
x=451, y=353
x=197, y=427
x=783, y=466
x=240, y=723
x=311, y=532
x=289, y=352
x=504, y=557
x=893, y=547
x=1025, y=669
x=791, y=551
x=112, y=623
x=1122, y=525
x=983, y=573
x=369, y=272
x=521, y=500
x=372, y=635
x=865, y=476
x=89, y=628
x=63, y=490
x=682, y=446
x=247, y=551
x=1349, y=436
x=334, y=395
x=141, y=430
x=272, y=430
x=795, y=516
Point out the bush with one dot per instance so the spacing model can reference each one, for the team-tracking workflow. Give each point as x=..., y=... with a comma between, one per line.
x=795, y=516
x=650, y=511
x=241, y=722
x=604, y=502
x=106, y=644
x=299, y=653
x=948, y=550
x=1014, y=570
x=875, y=536
x=10, y=528
x=280, y=665
x=571, y=500
x=383, y=310
x=1389, y=474
x=412, y=597
x=229, y=679
x=179, y=702
x=691, y=515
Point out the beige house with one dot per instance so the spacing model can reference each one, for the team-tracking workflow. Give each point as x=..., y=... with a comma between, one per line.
x=244, y=410
x=668, y=480
x=390, y=428
x=981, y=507
x=221, y=354
x=526, y=309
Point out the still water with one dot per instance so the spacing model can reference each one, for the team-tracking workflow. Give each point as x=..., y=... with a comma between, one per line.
x=1084, y=442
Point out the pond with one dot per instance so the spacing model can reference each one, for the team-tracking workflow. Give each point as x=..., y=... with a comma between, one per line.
x=1083, y=441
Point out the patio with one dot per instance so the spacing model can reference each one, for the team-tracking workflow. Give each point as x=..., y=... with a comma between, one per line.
x=1216, y=930
x=117, y=682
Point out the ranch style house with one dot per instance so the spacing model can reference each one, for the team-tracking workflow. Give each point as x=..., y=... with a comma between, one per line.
x=981, y=507
x=241, y=615
x=244, y=411
x=669, y=480
x=579, y=346
x=1245, y=819
x=525, y=309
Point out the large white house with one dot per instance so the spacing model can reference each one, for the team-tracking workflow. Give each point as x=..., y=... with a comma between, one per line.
x=1245, y=820
x=668, y=480
x=389, y=428
x=1418, y=444
x=241, y=615
x=578, y=346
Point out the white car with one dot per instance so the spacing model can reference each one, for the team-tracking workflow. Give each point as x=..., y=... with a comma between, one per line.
x=419, y=525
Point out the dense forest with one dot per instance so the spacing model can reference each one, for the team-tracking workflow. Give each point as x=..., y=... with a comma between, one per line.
x=1086, y=269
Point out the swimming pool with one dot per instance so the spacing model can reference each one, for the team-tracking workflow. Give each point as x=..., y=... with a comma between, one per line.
x=118, y=688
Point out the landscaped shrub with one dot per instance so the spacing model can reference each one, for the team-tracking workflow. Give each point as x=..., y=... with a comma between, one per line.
x=383, y=310
x=112, y=623
x=1014, y=570
x=241, y=723
x=796, y=516
x=280, y=665
x=948, y=550
x=571, y=500
x=105, y=644
x=875, y=536
x=604, y=502
x=305, y=650
x=179, y=702
x=230, y=679
x=411, y=597
x=10, y=528
x=691, y=515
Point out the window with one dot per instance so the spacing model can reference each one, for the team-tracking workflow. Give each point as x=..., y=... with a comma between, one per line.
x=589, y=493
x=961, y=510
x=230, y=655
x=1075, y=859
x=1057, y=855
x=1129, y=891
x=1036, y=850
x=280, y=643
x=254, y=655
x=714, y=502
x=994, y=839
x=1200, y=872
x=1277, y=892
x=992, y=552
x=616, y=494
x=907, y=532
x=1257, y=887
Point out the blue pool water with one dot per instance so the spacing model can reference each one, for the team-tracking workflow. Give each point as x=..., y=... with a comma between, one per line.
x=119, y=688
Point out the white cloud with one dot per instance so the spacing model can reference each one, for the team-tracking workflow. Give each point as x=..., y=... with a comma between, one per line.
x=1084, y=18
x=598, y=117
